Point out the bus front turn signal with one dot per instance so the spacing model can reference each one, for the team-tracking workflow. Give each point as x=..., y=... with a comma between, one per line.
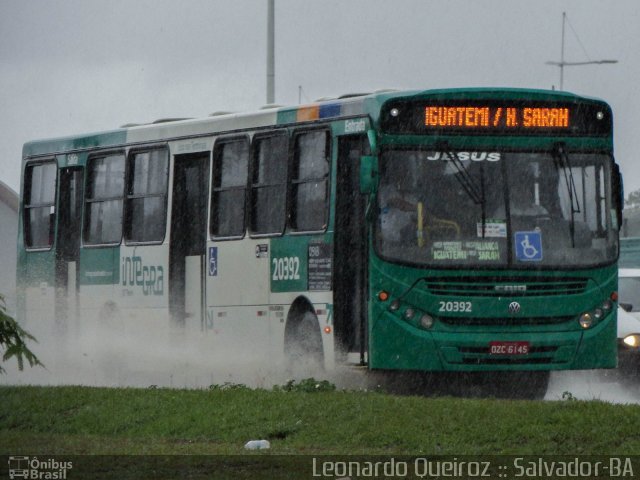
x=383, y=296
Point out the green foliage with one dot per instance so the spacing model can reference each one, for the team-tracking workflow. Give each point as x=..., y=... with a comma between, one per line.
x=12, y=340
x=633, y=199
x=228, y=386
x=308, y=385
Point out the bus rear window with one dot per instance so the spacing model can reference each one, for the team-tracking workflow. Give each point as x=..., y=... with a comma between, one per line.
x=39, y=205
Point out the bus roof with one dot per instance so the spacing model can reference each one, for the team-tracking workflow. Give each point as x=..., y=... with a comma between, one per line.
x=341, y=107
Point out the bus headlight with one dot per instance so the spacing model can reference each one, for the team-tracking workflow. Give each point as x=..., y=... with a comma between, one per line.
x=395, y=305
x=586, y=320
x=426, y=321
x=409, y=313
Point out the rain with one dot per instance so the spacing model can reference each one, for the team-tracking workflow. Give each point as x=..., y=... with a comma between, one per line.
x=94, y=66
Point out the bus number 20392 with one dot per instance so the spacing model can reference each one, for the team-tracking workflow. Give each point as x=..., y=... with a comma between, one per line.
x=455, y=307
x=286, y=268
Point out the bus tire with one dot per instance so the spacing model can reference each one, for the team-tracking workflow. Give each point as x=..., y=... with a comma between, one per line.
x=536, y=384
x=522, y=385
x=304, y=355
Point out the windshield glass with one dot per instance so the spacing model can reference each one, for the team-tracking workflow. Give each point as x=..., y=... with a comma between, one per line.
x=490, y=208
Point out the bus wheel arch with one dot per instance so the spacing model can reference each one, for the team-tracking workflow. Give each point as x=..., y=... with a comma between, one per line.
x=110, y=318
x=303, y=349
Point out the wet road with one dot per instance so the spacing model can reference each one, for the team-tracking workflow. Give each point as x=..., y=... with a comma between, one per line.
x=612, y=386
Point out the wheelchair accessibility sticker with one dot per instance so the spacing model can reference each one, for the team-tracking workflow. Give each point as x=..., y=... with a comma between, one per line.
x=213, y=261
x=528, y=246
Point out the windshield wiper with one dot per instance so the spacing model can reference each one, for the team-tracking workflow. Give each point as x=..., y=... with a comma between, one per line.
x=475, y=192
x=561, y=159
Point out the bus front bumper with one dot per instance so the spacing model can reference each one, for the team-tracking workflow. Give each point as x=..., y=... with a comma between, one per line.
x=398, y=345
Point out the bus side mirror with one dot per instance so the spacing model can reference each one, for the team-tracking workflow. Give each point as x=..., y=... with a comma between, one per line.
x=368, y=173
x=373, y=141
x=618, y=193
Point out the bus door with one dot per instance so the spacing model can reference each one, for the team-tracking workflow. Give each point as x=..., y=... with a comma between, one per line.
x=188, y=238
x=350, y=243
x=67, y=251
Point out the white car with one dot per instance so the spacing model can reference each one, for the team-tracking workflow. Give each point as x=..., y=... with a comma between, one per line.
x=628, y=313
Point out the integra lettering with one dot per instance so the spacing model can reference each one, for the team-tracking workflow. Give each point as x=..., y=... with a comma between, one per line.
x=134, y=273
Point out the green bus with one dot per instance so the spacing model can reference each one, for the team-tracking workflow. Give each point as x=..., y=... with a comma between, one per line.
x=457, y=230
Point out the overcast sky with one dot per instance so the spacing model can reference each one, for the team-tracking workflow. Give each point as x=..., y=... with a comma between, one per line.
x=72, y=66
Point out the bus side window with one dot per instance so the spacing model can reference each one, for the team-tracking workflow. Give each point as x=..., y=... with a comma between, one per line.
x=103, y=209
x=146, y=207
x=228, y=202
x=309, y=183
x=269, y=184
x=39, y=204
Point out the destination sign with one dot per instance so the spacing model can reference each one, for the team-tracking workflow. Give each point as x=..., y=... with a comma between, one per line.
x=496, y=117
x=488, y=117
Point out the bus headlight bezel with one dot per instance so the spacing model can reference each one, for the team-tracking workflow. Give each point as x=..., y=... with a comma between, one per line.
x=586, y=320
x=593, y=317
x=426, y=321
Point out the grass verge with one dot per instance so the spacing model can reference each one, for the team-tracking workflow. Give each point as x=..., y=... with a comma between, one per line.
x=113, y=421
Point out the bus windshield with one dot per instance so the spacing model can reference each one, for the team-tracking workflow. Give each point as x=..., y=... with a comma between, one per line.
x=460, y=208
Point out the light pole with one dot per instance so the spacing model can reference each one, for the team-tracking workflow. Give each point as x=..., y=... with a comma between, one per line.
x=271, y=69
x=562, y=62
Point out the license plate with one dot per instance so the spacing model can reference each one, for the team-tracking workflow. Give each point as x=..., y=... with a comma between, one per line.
x=508, y=348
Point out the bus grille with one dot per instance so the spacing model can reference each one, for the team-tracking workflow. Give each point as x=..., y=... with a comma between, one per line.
x=504, y=321
x=505, y=287
x=507, y=361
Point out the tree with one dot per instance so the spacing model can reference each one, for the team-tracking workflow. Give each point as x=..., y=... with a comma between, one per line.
x=12, y=340
x=633, y=199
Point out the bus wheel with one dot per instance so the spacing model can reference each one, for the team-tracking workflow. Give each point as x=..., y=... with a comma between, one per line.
x=303, y=347
x=536, y=384
x=523, y=385
x=110, y=319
